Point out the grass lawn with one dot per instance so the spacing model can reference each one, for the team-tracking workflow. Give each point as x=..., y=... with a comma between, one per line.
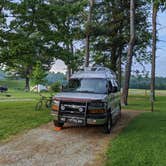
x=17, y=94
x=17, y=111
x=13, y=84
x=143, y=142
x=18, y=116
x=141, y=102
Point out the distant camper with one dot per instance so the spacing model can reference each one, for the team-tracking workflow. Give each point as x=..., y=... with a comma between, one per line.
x=39, y=88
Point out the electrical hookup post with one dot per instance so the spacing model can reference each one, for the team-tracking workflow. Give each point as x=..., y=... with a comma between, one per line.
x=152, y=101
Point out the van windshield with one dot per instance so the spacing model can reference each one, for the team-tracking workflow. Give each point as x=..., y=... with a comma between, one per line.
x=87, y=85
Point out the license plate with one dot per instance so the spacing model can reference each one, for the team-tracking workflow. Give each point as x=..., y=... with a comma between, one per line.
x=74, y=120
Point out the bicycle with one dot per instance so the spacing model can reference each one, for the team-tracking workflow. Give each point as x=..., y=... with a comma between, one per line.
x=43, y=101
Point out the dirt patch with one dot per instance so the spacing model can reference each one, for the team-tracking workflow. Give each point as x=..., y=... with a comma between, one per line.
x=78, y=146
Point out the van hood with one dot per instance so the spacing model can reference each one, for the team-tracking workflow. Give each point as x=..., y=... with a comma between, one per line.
x=79, y=97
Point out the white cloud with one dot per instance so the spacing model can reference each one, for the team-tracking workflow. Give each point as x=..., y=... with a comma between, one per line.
x=58, y=66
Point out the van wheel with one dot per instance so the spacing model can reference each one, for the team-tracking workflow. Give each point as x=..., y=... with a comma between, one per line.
x=58, y=124
x=108, y=125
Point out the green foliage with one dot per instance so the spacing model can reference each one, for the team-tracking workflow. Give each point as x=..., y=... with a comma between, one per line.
x=159, y=4
x=56, y=87
x=38, y=74
x=44, y=30
x=110, y=35
x=3, y=26
x=69, y=29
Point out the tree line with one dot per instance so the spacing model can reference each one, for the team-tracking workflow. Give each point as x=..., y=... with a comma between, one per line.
x=111, y=33
x=141, y=82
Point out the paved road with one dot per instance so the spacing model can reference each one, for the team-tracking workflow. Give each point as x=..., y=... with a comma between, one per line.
x=72, y=146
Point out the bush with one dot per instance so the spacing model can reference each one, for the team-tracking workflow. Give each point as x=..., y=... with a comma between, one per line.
x=56, y=86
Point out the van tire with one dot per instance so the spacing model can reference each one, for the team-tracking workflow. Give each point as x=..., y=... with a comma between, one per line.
x=58, y=124
x=108, y=125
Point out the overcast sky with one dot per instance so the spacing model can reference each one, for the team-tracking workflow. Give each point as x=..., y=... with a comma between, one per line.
x=161, y=46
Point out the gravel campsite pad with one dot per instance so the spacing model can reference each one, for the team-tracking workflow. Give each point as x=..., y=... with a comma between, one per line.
x=78, y=146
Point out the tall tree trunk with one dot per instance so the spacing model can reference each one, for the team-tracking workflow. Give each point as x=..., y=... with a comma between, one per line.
x=27, y=79
x=72, y=51
x=113, y=59
x=119, y=66
x=69, y=69
x=87, y=47
x=68, y=72
x=27, y=86
x=154, y=17
x=129, y=53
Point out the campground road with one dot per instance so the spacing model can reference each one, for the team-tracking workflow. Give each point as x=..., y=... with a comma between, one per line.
x=72, y=146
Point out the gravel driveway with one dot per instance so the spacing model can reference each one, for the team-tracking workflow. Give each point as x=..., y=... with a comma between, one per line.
x=72, y=146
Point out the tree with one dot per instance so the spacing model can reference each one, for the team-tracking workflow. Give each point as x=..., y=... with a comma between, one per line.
x=28, y=40
x=38, y=74
x=156, y=5
x=44, y=30
x=129, y=53
x=110, y=33
x=154, y=16
x=3, y=26
x=88, y=29
x=69, y=27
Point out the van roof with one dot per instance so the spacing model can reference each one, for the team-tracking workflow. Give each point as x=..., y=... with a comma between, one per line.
x=95, y=72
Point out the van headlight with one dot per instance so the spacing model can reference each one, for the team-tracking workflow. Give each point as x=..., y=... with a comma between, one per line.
x=55, y=105
x=97, y=111
x=96, y=107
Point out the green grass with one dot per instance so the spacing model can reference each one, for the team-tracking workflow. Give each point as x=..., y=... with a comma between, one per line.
x=143, y=92
x=141, y=102
x=16, y=117
x=143, y=142
x=15, y=94
x=18, y=94
x=13, y=84
x=17, y=111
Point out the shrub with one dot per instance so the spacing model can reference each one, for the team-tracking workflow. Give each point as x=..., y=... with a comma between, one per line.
x=56, y=86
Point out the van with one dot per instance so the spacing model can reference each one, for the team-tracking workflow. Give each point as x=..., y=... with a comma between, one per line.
x=91, y=97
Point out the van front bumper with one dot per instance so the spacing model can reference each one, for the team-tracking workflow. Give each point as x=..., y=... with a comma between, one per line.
x=96, y=119
x=92, y=119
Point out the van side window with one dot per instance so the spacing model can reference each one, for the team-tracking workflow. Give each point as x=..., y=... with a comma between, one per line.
x=114, y=86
